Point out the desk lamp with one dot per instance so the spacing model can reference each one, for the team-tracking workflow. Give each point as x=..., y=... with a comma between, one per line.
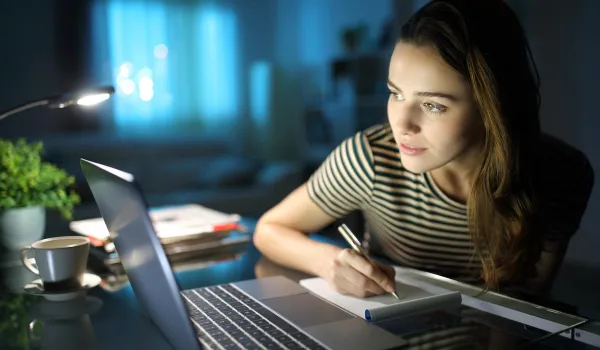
x=85, y=98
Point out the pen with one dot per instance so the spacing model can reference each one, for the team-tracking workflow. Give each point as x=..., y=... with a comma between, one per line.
x=357, y=247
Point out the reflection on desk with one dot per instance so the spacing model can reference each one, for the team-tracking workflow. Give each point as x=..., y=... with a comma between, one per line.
x=63, y=325
x=111, y=318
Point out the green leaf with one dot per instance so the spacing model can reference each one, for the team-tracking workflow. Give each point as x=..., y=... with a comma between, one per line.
x=26, y=180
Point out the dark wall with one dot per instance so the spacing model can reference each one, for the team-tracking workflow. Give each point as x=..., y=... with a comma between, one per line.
x=565, y=42
x=43, y=54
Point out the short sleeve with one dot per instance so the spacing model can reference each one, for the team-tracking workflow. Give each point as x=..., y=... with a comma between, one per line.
x=343, y=183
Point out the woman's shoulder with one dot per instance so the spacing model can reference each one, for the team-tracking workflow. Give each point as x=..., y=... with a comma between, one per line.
x=380, y=137
x=370, y=149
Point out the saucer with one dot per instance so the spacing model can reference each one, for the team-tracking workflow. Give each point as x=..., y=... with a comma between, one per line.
x=90, y=280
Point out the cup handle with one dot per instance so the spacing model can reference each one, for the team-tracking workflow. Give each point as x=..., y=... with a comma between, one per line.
x=26, y=262
x=30, y=331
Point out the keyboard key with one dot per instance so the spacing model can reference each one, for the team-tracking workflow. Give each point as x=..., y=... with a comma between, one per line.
x=261, y=322
x=283, y=338
x=299, y=336
x=267, y=327
x=241, y=308
x=249, y=328
x=222, y=322
x=222, y=339
x=194, y=312
x=243, y=323
x=229, y=328
x=278, y=321
x=253, y=304
x=250, y=345
x=256, y=334
x=292, y=345
x=271, y=345
x=248, y=313
x=229, y=313
x=203, y=323
x=215, y=333
x=305, y=340
x=242, y=338
x=236, y=318
x=261, y=338
x=229, y=345
x=275, y=333
x=235, y=332
x=234, y=304
x=254, y=317
x=209, y=327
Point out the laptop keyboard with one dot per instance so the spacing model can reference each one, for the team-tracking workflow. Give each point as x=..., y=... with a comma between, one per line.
x=226, y=318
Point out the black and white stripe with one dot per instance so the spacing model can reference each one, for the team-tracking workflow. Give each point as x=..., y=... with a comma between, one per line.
x=410, y=219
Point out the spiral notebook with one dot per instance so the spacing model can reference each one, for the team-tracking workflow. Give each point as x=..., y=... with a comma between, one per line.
x=381, y=307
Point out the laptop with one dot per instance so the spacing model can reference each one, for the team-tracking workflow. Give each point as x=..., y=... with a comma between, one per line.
x=263, y=313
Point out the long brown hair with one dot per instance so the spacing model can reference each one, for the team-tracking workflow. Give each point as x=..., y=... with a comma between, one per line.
x=484, y=41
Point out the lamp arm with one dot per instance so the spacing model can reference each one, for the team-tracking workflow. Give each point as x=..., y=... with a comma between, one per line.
x=23, y=107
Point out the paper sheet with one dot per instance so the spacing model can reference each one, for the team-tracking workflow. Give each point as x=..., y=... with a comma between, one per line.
x=381, y=307
x=172, y=221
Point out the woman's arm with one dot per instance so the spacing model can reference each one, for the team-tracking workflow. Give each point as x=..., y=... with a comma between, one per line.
x=281, y=234
x=341, y=185
x=546, y=269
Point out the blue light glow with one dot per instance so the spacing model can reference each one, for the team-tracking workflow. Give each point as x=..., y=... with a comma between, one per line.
x=172, y=63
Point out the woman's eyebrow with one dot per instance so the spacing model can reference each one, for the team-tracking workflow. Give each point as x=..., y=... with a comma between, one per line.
x=428, y=93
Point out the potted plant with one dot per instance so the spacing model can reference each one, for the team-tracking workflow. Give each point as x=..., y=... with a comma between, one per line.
x=28, y=186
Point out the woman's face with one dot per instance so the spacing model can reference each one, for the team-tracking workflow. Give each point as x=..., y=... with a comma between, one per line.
x=431, y=110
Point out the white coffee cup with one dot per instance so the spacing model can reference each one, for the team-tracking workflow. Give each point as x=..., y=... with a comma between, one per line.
x=60, y=261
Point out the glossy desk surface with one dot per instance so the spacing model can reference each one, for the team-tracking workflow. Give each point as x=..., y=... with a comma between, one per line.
x=109, y=316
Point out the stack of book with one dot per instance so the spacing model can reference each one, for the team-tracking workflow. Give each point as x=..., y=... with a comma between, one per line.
x=185, y=231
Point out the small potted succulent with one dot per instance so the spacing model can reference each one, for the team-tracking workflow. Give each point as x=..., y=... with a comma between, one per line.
x=28, y=186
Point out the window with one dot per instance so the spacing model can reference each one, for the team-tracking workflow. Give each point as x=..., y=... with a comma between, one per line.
x=175, y=65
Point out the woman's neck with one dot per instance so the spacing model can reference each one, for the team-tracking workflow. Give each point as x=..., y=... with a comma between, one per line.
x=454, y=184
x=455, y=179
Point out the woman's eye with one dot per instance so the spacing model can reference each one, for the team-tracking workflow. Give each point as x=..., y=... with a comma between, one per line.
x=397, y=96
x=434, y=108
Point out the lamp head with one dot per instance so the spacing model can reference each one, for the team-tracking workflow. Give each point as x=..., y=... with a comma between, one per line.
x=87, y=98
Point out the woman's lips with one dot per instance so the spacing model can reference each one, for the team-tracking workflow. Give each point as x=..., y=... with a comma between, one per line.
x=411, y=150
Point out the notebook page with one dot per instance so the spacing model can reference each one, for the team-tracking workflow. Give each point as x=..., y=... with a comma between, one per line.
x=380, y=307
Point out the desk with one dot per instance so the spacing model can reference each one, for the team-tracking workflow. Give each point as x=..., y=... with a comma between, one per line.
x=110, y=317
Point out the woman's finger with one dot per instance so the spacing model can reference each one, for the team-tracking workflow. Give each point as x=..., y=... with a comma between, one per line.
x=369, y=270
x=388, y=270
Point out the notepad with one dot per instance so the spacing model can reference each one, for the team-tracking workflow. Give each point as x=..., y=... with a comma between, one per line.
x=377, y=308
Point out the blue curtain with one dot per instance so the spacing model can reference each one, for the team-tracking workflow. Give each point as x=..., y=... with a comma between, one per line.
x=174, y=64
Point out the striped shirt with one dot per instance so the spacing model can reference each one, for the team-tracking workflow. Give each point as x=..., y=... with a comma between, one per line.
x=409, y=219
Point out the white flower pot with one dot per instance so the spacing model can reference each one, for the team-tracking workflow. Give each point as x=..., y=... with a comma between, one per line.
x=22, y=226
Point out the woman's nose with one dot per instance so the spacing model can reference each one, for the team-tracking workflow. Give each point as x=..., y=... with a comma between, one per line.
x=405, y=119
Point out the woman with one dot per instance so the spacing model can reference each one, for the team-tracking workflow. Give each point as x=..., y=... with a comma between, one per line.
x=459, y=182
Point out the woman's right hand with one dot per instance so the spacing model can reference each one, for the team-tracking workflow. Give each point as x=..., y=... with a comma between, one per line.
x=350, y=273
